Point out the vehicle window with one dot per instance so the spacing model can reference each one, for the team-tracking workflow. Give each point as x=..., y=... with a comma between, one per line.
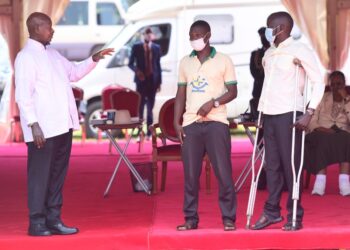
x=127, y=3
x=107, y=14
x=75, y=14
x=161, y=36
x=222, y=29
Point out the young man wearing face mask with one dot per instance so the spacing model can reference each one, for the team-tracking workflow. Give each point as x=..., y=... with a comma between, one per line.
x=206, y=83
x=145, y=62
x=277, y=106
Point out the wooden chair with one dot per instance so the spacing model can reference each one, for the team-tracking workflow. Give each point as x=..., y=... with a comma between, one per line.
x=127, y=99
x=106, y=95
x=168, y=152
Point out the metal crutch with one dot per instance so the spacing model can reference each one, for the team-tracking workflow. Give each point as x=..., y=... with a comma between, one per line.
x=254, y=183
x=247, y=169
x=297, y=176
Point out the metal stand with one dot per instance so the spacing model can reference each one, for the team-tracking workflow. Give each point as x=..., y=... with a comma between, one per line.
x=247, y=168
x=127, y=162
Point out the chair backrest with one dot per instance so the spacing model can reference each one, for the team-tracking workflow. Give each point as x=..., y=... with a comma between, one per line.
x=106, y=95
x=78, y=95
x=166, y=120
x=128, y=99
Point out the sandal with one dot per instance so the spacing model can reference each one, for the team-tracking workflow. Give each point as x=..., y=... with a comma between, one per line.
x=264, y=221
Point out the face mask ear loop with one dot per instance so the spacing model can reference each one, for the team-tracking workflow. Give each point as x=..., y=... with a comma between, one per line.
x=279, y=31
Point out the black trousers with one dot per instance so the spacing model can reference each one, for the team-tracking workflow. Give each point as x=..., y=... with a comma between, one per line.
x=147, y=90
x=212, y=138
x=47, y=169
x=278, y=146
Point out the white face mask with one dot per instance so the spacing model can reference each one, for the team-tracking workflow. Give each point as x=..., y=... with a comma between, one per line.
x=269, y=34
x=199, y=44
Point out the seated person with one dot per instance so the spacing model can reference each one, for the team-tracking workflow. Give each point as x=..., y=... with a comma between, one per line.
x=329, y=140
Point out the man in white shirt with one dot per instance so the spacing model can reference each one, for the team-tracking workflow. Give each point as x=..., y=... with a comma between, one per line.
x=277, y=105
x=48, y=115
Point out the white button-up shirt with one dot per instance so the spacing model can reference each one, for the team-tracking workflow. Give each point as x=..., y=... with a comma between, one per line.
x=278, y=91
x=43, y=90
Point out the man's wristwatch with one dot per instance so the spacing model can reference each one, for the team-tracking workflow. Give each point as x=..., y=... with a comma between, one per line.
x=216, y=103
x=310, y=111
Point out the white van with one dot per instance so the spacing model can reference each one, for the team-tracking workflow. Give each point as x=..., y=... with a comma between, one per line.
x=234, y=25
x=87, y=25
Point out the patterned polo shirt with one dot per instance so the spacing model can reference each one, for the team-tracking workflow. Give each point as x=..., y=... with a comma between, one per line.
x=205, y=82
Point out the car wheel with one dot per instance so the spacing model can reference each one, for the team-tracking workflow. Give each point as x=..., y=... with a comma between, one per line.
x=93, y=112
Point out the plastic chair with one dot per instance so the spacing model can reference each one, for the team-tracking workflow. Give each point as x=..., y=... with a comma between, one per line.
x=171, y=152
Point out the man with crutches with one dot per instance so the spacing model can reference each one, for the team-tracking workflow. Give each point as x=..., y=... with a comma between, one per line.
x=279, y=101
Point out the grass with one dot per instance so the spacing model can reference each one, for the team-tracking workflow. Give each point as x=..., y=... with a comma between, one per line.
x=238, y=132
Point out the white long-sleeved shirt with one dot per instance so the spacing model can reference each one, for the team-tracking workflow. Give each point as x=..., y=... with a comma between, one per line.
x=43, y=91
x=278, y=91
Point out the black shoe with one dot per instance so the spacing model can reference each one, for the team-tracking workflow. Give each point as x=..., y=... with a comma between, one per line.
x=38, y=230
x=264, y=221
x=289, y=226
x=229, y=225
x=189, y=225
x=62, y=229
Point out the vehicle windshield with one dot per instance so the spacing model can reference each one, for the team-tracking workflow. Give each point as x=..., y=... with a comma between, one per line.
x=161, y=37
x=127, y=3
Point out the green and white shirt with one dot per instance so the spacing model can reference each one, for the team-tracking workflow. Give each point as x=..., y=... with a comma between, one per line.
x=205, y=82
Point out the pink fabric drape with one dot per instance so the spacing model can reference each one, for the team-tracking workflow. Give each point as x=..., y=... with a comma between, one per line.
x=343, y=37
x=311, y=17
x=52, y=8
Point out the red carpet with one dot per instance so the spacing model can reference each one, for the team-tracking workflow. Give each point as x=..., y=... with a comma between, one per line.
x=128, y=220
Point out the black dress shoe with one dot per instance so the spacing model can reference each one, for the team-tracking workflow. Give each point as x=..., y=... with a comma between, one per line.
x=229, y=225
x=189, y=225
x=62, y=229
x=38, y=230
x=264, y=221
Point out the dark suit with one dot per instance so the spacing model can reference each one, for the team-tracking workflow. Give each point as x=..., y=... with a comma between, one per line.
x=147, y=87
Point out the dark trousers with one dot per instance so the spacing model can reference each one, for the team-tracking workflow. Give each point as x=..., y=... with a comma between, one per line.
x=147, y=90
x=212, y=138
x=47, y=169
x=278, y=146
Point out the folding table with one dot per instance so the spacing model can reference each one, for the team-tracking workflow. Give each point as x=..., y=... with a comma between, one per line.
x=107, y=128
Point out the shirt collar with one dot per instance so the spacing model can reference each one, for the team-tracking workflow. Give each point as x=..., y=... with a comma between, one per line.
x=149, y=44
x=285, y=43
x=35, y=44
x=211, y=55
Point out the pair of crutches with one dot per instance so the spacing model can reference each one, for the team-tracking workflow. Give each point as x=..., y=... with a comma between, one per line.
x=296, y=175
